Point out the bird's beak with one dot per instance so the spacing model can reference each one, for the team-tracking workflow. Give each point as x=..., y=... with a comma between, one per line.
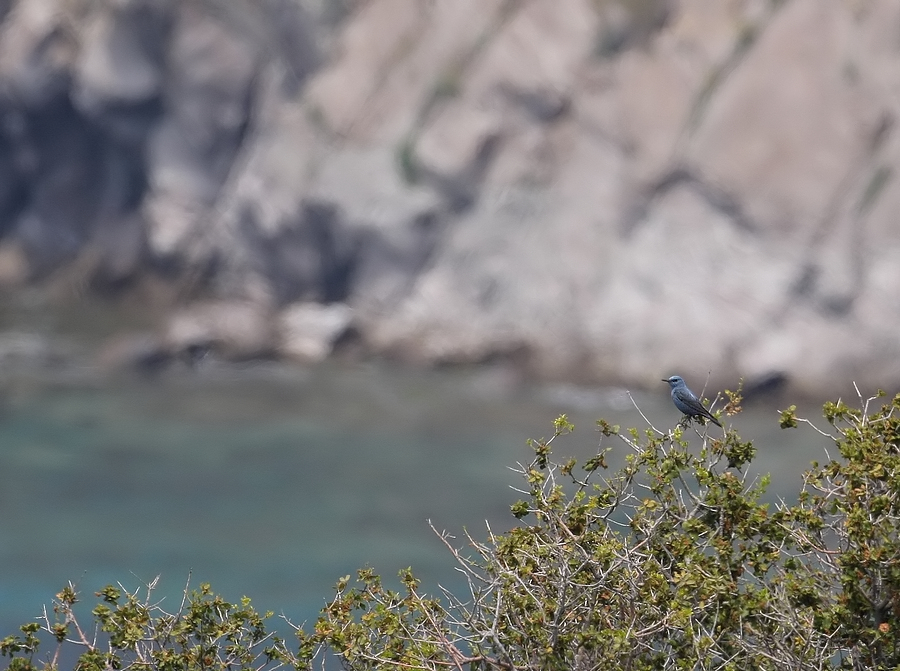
x=664, y=380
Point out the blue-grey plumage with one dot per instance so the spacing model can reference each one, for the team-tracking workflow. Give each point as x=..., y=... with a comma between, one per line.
x=686, y=401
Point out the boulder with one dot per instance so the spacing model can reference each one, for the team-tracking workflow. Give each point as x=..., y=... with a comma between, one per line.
x=309, y=331
x=233, y=329
x=142, y=352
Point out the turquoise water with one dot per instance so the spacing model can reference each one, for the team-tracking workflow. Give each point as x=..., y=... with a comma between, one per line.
x=273, y=481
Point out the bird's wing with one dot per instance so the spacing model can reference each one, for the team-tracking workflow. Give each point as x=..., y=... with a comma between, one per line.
x=687, y=397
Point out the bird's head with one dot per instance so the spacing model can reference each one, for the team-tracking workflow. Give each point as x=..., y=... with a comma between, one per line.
x=674, y=381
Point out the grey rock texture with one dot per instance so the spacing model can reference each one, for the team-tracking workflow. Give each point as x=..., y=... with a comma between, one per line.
x=309, y=331
x=604, y=191
x=240, y=329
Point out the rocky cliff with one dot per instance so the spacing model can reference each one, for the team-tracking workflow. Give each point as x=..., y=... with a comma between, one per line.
x=609, y=190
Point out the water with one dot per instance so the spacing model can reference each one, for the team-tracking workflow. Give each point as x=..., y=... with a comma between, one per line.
x=273, y=481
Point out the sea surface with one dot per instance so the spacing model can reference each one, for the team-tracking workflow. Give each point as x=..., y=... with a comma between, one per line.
x=273, y=481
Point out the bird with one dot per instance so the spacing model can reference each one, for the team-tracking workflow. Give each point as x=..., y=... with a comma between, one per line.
x=686, y=401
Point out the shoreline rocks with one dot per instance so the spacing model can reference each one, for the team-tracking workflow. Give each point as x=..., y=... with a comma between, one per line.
x=591, y=191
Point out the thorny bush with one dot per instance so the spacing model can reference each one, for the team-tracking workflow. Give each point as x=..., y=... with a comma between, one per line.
x=671, y=562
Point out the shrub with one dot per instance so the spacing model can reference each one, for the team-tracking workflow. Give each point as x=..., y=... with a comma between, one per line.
x=671, y=562
x=132, y=631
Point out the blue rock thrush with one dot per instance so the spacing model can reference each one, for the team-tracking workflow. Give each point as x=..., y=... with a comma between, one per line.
x=685, y=400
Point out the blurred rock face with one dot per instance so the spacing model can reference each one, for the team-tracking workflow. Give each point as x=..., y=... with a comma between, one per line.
x=601, y=190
